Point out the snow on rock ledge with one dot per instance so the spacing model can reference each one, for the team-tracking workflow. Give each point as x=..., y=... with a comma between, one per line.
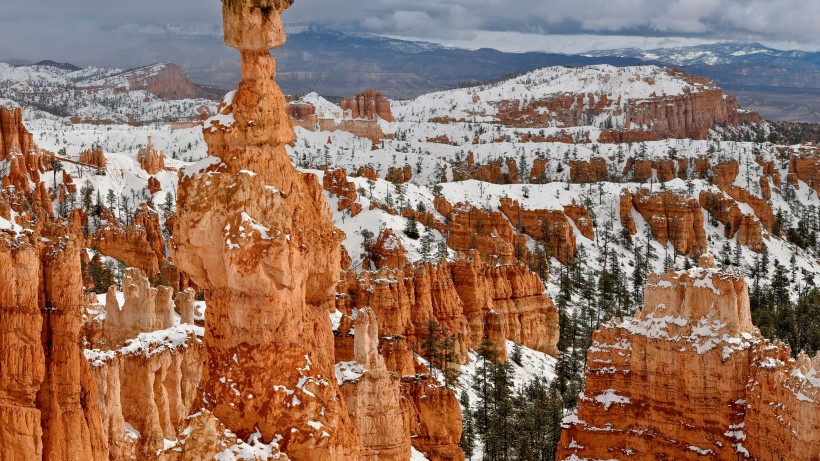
x=690, y=370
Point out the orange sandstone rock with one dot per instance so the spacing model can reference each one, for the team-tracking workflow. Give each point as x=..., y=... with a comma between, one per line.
x=690, y=377
x=550, y=227
x=336, y=183
x=140, y=245
x=372, y=395
x=258, y=236
x=151, y=160
x=673, y=218
x=593, y=170
x=94, y=156
x=387, y=251
x=368, y=104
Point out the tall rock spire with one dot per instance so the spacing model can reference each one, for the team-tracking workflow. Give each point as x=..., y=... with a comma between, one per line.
x=258, y=236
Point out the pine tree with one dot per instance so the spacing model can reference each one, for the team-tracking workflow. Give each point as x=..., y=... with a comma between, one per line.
x=411, y=228
x=467, y=442
x=427, y=242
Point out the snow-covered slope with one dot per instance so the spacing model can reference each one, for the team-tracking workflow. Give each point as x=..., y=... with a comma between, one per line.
x=480, y=104
x=101, y=95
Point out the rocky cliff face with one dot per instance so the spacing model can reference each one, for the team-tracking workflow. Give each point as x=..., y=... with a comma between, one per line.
x=336, y=183
x=369, y=104
x=373, y=397
x=698, y=106
x=690, y=377
x=258, y=236
x=49, y=407
x=140, y=244
x=470, y=300
x=673, y=218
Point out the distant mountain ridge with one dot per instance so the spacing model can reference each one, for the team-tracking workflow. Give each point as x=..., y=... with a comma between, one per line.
x=780, y=85
x=718, y=54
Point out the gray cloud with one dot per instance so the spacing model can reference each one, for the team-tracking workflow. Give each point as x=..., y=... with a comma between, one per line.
x=82, y=30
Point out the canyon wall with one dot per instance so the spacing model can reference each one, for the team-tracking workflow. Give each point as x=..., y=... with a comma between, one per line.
x=471, y=301
x=690, y=377
x=48, y=404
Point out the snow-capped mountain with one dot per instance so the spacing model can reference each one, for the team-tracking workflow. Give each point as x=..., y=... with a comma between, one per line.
x=716, y=54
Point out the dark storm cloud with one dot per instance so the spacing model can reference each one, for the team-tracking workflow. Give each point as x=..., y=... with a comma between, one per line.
x=82, y=30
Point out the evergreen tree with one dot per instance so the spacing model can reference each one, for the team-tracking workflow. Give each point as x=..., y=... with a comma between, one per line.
x=411, y=228
x=467, y=442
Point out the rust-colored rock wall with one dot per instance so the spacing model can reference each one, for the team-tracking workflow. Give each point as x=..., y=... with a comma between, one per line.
x=673, y=218
x=49, y=408
x=470, y=300
x=94, y=157
x=335, y=181
x=550, y=227
x=368, y=104
x=690, y=377
x=150, y=159
x=140, y=244
x=593, y=170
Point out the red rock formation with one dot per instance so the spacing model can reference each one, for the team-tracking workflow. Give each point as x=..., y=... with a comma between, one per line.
x=761, y=207
x=580, y=216
x=673, y=218
x=724, y=209
x=300, y=110
x=806, y=167
x=724, y=174
x=164, y=80
x=145, y=309
x=387, y=251
x=94, y=157
x=689, y=115
x=151, y=160
x=14, y=137
x=470, y=300
x=593, y=170
x=434, y=416
x=49, y=406
x=538, y=174
x=692, y=377
x=488, y=232
x=171, y=83
x=750, y=233
x=625, y=136
x=153, y=185
x=625, y=212
x=398, y=175
x=498, y=171
x=140, y=245
x=373, y=396
x=550, y=227
x=367, y=172
x=765, y=188
x=150, y=384
x=267, y=254
x=638, y=170
x=336, y=183
x=368, y=104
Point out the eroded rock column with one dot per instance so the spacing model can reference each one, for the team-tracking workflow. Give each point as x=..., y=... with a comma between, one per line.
x=258, y=236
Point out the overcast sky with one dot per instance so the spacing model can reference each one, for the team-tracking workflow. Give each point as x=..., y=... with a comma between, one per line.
x=79, y=30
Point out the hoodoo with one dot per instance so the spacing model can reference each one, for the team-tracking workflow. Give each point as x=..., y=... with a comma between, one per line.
x=258, y=236
x=691, y=378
